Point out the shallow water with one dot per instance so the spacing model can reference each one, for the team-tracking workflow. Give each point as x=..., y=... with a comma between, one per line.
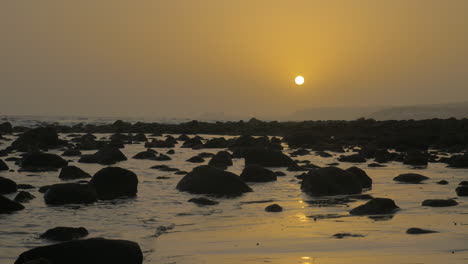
x=237, y=231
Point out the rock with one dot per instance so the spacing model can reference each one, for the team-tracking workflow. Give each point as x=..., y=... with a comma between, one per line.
x=3, y=166
x=462, y=190
x=463, y=183
x=410, y=178
x=140, y=137
x=171, y=139
x=170, y=152
x=439, y=203
x=39, y=161
x=37, y=138
x=183, y=137
x=203, y=201
x=376, y=206
x=221, y=160
x=210, y=180
x=343, y=235
x=70, y=193
x=162, y=157
x=7, y=186
x=193, y=143
x=280, y=173
x=114, y=182
x=181, y=173
x=164, y=168
x=89, y=251
x=6, y=128
x=106, y=156
x=8, y=206
x=361, y=175
x=274, y=208
x=155, y=143
x=376, y=165
x=323, y=154
x=459, y=161
x=442, y=182
x=71, y=153
x=73, y=173
x=416, y=158
x=196, y=159
x=382, y=156
x=300, y=152
x=205, y=155
x=23, y=197
x=148, y=155
x=25, y=187
x=417, y=231
x=61, y=233
x=266, y=158
x=354, y=158
x=43, y=189
x=216, y=143
x=330, y=181
x=255, y=173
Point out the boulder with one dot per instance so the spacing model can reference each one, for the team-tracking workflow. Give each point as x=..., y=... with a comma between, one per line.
x=140, y=137
x=196, y=159
x=7, y=186
x=364, y=179
x=274, y=208
x=376, y=206
x=203, y=201
x=106, y=156
x=37, y=138
x=442, y=182
x=155, y=143
x=114, y=182
x=221, y=160
x=416, y=158
x=3, y=166
x=216, y=143
x=255, y=173
x=61, y=233
x=330, y=181
x=147, y=154
x=410, y=178
x=210, y=180
x=73, y=173
x=6, y=128
x=23, y=197
x=266, y=158
x=382, y=156
x=458, y=161
x=8, y=206
x=439, y=202
x=462, y=190
x=70, y=193
x=39, y=161
x=71, y=153
x=418, y=231
x=354, y=158
x=89, y=251
x=162, y=157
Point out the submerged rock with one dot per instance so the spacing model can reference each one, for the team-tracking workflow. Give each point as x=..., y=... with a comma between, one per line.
x=330, y=181
x=410, y=178
x=203, y=201
x=39, y=161
x=439, y=203
x=210, y=180
x=89, y=251
x=376, y=206
x=274, y=208
x=114, y=182
x=255, y=173
x=7, y=186
x=70, y=193
x=417, y=231
x=61, y=233
x=8, y=206
x=73, y=173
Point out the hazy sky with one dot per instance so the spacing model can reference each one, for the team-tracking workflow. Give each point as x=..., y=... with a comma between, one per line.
x=186, y=58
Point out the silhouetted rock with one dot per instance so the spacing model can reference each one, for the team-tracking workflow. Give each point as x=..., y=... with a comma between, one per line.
x=266, y=158
x=196, y=159
x=221, y=160
x=323, y=154
x=410, y=178
x=114, y=182
x=216, y=143
x=210, y=180
x=459, y=161
x=417, y=231
x=25, y=187
x=164, y=168
x=439, y=203
x=300, y=152
x=8, y=206
x=280, y=173
x=73, y=173
x=364, y=179
x=416, y=158
x=203, y=201
x=343, y=235
x=463, y=183
x=462, y=190
x=274, y=208
x=376, y=165
x=354, y=158
x=62, y=233
x=382, y=156
x=442, y=182
x=205, y=155
x=148, y=154
x=330, y=181
x=7, y=186
x=376, y=206
x=70, y=193
x=3, y=166
x=192, y=143
x=6, y=128
x=106, y=156
x=39, y=161
x=89, y=251
x=43, y=189
x=71, y=153
x=255, y=173
x=37, y=138
x=170, y=152
x=140, y=137
x=155, y=143
x=183, y=137
x=162, y=157
x=23, y=197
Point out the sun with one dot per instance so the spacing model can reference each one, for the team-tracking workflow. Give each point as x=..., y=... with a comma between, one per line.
x=299, y=80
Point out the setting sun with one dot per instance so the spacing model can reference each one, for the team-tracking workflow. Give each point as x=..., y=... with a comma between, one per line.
x=299, y=80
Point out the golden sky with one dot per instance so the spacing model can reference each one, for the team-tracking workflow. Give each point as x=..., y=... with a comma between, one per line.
x=186, y=58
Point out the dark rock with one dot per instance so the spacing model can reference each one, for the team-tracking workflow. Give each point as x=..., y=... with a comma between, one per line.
x=439, y=203
x=280, y=173
x=73, y=173
x=155, y=143
x=37, y=138
x=210, y=180
x=376, y=206
x=364, y=179
x=462, y=190
x=323, y=154
x=8, y=206
x=89, y=251
x=463, y=183
x=382, y=156
x=23, y=197
x=7, y=186
x=354, y=158
x=44, y=189
x=105, y=156
x=205, y=155
x=25, y=187
x=416, y=158
x=164, y=168
x=140, y=137
x=442, y=182
x=3, y=166
x=274, y=208
x=255, y=173
x=192, y=143
x=221, y=160
x=203, y=201
x=183, y=137
x=330, y=181
x=70, y=193
x=71, y=153
x=376, y=165
x=410, y=178
x=6, y=128
x=39, y=161
x=61, y=233
x=343, y=235
x=181, y=173
x=162, y=157
x=459, y=161
x=15, y=159
x=114, y=182
x=417, y=231
x=300, y=152
x=170, y=152
x=148, y=155
x=216, y=143
x=196, y=159
x=267, y=158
